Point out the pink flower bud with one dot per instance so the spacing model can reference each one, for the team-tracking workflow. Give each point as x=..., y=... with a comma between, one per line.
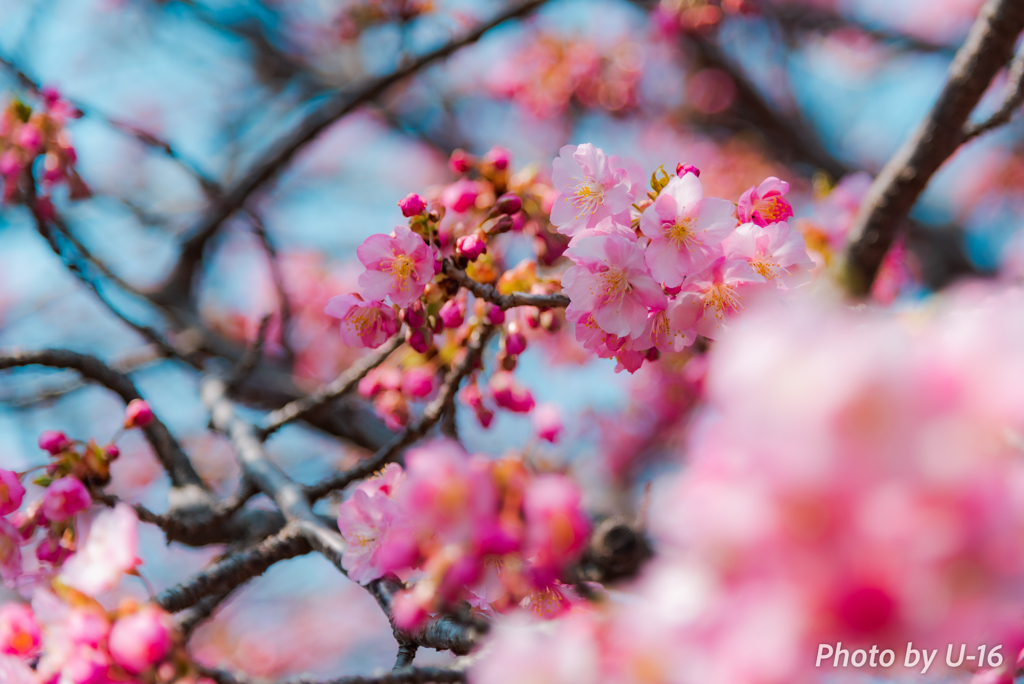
x=419, y=339
x=50, y=551
x=10, y=165
x=137, y=414
x=509, y=203
x=472, y=397
x=412, y=205
x=460, y=162
x=64, y=498
x=140, y=640
x=11, y=492
x=370, y=385
x=485, y=417
x=498, y=157
x=509, y=394
x=547, y=421
x=453, y=313
x=461, y=195
x=515, y=341
x=470, y=246
x=54, y=442
x=19, y=631
x=392, y=407
x=683, y=169
x=112, y=451
x=417, y=382
x=415, y=316
x=495, y=314
x=29, y=138
x=87, y=628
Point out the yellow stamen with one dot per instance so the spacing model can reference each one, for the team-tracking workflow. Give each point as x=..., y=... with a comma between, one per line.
x=587, y=196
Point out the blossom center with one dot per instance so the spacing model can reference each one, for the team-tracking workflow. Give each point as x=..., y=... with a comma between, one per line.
x=615, y=283
x=766, y=268
x=588, y=196
x=401, y=266
x=771, y=208
x=723, y=298
x=682, y=232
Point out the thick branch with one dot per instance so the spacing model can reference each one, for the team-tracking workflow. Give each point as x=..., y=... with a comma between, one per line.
x=179, y=285
x=431, y=415
x=167, y=449
x=491, y=294
x=342, y=385
x=413, y=675
x=989, y=46
x=443, y=633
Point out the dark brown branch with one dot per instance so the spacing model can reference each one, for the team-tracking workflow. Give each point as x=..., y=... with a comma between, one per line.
x=229, y=572
x=491, y=294
x=167, y=449
x=443, y=633
x=414, y=675
x=988, y=48
x=1012, y=101
x=284, y=306
x=431, y=415
x=179, y=285
x=342, y=385
x=406, y=654
x=201, y=612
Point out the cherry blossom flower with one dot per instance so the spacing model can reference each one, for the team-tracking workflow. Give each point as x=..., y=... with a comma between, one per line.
x=11, y=492
x=509, y=394
x=461, y=195
x=765, y=204
x=776, y=252
x=364, y=520
x=453, y=312
x=547, y=422
x=19, y=631
x=671, y=329
x=715, y=295
x=141, y=640
x=686, y=229
x=397, y=267
x=54, y=442
x=412, y=205
x=64, y=498
x=556, y=528
x=610, y=281
x=592, y=186
x=110, y=549
x=363, y=324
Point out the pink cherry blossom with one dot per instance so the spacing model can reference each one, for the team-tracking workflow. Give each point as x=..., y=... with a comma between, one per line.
x=19, y=631
x=10, y=552
x=556, y=528
x=364, y=520
x=53, y=442
x=671, y=329
x=765, y=204
x=141, y=640
x=418, y=382
x=64, y=498
x=363, y=324
x=110, y=549
x=509, y=394
x=715, y=295
x=471, y=246
x=11, y=492
x=453, y=312
x=461, y=195
x=686, y=229
x=591, y=186
x=776, y=252
x=610, y=281
x=412, y=205
x=14, y=670
x=399, y=266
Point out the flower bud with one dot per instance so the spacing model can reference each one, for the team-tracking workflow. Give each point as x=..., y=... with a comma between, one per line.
x=137, y=414
x=412, y=205
x=509, y=394
x=453, y=312
x=470, y=246
x=507, y=361
x=509, y=203
x=419, y=339
x=547, y=421
x=515, y=341
x=50, y=551
x=140, y=640
x=112, y=451
x=683, y=169
x=498, y=157
x=495, y=314
x=53, y=442
x=460, y=162
x=417, y=382
x=503, y=224
x=64, y=498
x=414, y=316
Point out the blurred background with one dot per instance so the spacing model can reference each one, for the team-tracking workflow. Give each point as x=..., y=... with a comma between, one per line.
x=179, y=96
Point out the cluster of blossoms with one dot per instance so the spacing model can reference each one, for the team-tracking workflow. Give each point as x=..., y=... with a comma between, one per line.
x=673, y=16
x=66, y=636
x=27, y=135
x=549, y=72
x=465, y=528
x=648, y=270
x=651, y=273
x=856, y=478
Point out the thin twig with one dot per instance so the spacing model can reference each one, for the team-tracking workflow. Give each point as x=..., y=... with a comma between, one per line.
x=491, y=294
x=1012, y=101
x=340, y=386
x=277, y=275
x=431, y=415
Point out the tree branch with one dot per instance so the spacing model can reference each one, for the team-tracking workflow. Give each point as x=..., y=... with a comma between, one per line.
x=989, y=46
x=179, y=285
x=339, y=387
x=1011, y=102
x=491, y=294
x=414, y=675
